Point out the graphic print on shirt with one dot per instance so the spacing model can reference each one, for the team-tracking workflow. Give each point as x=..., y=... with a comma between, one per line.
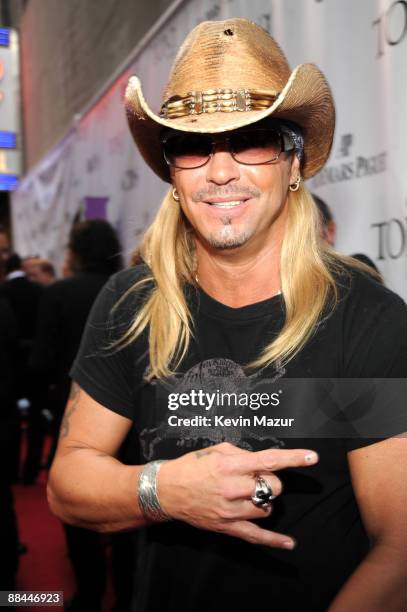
x=213, y=376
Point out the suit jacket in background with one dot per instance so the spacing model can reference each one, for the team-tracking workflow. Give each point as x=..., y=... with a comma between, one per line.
x=62, y=316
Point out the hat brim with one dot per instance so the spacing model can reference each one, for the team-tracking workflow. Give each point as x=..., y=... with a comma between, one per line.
x=306, y=100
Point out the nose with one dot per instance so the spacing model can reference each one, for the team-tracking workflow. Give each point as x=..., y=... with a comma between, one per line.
x=222, y=168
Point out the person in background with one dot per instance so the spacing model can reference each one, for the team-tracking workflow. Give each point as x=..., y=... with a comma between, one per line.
x=66, y=270
x=328, y=233
x=9, y=543
x=328, y=224
x=23, y=297
x=365, y=259
x=5, y=250
x=5, y=247
x=29, y=262
x=93, y=255
x=41, y=271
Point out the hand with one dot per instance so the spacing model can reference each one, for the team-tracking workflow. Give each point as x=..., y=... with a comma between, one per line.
x=212, y=489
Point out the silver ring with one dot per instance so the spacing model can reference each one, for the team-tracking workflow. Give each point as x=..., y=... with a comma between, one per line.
x=263, y=493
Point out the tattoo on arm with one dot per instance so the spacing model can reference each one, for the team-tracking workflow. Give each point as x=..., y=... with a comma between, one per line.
x=74, y=391
x=73, y=402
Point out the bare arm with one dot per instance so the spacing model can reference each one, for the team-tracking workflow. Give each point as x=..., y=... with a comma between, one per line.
x=379, y=480
x=88, y=486
x=210, y=489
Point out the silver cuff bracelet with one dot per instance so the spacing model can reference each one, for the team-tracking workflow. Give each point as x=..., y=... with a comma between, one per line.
x=147, y=492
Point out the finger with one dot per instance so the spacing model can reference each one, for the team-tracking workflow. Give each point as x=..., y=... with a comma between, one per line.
x=229, y=449
x=271, y=460
x=245, y=530
x=272, y=480
x=225, y=448
x=243, y=487
x=245, y=510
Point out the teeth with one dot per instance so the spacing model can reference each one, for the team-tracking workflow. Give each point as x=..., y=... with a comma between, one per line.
x=230, y=204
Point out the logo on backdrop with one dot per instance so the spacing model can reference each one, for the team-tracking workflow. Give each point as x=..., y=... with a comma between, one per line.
x=129, y=179
x=391, y=27
x=95, y=207
x=391, y=238
x=346, y=141
x=92, y=163
x=350, y=165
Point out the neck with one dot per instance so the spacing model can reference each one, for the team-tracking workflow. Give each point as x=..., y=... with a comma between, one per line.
x=238, y=277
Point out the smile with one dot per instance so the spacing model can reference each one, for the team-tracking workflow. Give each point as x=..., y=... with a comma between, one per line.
x=230, y=204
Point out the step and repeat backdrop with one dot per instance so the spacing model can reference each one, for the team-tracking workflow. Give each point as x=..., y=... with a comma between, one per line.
x=362, y=49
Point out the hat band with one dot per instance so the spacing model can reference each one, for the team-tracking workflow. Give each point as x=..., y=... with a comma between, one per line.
x=216, y=100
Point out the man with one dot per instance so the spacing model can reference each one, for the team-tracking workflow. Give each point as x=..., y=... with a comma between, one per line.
x=23, y=297
x=328, y=223
x=4, y=244
x=8, y=520
x=328, y=233
x=94, y=255
x=4, y=250
x=237, y=287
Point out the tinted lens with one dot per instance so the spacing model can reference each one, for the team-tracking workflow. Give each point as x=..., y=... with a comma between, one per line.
x=187, y=150
x=256, y=146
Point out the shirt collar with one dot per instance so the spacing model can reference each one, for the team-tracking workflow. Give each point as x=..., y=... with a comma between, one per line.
x=15, y=274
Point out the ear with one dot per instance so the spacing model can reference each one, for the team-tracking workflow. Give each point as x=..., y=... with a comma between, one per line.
x=331, y=232
x=295, y=170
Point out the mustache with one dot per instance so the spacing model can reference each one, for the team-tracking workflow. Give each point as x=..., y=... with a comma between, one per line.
x=209, y=192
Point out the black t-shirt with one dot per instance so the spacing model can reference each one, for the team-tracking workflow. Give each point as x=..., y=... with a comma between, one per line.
x=189, y=570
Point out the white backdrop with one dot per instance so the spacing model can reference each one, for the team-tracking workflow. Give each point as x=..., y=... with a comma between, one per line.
x=360, y=46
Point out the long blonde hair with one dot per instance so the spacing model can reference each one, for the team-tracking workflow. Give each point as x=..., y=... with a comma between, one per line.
x=308, y=286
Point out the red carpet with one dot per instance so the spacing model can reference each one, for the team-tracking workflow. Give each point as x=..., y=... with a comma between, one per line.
x=45, y=567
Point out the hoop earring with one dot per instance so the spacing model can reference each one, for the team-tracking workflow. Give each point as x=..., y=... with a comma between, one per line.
x=296, y=185
x=175, y=194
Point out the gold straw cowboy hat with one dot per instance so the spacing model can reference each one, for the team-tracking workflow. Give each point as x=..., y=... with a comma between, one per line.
x=229, y=74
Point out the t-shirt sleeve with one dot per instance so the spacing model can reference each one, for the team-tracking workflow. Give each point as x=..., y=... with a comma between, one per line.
x=376, y=348
x=102, y=369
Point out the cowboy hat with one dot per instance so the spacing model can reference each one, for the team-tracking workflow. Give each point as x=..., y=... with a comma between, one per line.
x=226, y=75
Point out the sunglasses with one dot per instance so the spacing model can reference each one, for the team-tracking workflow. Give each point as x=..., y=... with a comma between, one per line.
x=250, y=147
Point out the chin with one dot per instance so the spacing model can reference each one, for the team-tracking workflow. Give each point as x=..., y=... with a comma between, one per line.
x=227, y=240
